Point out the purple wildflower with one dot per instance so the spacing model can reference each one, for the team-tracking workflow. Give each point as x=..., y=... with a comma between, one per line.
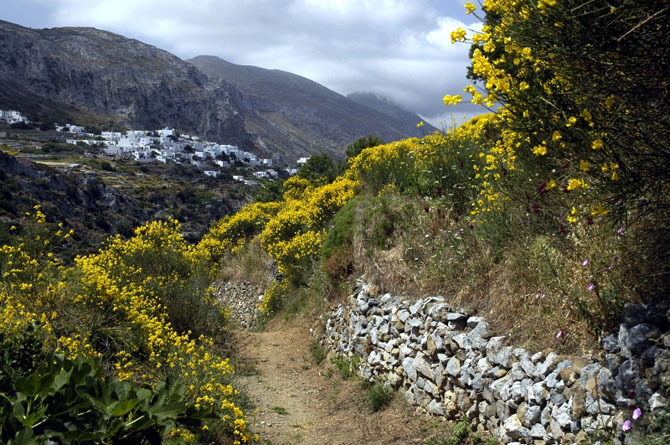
x=625, y=426
x=585, y=262
x=637, y=413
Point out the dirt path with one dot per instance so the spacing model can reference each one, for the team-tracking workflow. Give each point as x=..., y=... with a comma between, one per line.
x=299, y=402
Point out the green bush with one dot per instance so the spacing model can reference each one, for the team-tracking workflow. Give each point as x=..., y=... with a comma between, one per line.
x=378, y=396
x=68, y=401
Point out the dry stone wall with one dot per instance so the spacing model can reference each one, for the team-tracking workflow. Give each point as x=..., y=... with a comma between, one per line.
x=447, y=360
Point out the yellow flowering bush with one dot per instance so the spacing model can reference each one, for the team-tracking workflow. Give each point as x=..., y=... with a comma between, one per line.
x=142, y=306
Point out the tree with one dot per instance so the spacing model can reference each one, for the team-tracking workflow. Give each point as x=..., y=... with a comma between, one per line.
x=319, y=169
x=361, y=144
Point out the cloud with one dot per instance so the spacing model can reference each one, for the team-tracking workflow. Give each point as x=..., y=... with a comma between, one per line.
x=395, y=48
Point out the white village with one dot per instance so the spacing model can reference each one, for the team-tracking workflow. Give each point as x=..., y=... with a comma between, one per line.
x=166, y=145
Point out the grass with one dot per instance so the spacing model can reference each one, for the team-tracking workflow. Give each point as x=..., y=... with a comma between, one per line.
x=279, y=410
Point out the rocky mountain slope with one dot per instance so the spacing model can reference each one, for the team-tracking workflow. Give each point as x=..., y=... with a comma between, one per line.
x=54, y=74
x=387, y=107
x=305, y=114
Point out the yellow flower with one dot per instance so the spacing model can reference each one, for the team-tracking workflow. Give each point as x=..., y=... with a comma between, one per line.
x=584, y=165
x=420, y=124
x=458, y=35
x=540, y=150
x=470, y=7
x=523, y=86
x=556, y=136
x=576, y=183
x=597, y=144
x=452, y=100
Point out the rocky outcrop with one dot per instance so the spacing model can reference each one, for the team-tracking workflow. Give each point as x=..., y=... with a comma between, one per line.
x=448, y=361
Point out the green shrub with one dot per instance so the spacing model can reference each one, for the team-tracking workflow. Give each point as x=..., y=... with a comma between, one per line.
x=378, y=396
x=68, y=401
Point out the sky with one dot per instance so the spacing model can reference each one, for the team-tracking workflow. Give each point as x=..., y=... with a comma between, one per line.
x=397, y=49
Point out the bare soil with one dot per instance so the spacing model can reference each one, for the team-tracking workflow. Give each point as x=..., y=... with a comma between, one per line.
x=300, y=402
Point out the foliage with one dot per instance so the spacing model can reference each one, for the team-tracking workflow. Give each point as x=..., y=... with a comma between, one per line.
x=68, y=401
x=319, y=169
x=360, y=144
x=336, y=251
x=587, y=140
x=317, y=351
x=378, y=395
x=132, y=305
x=347, y=366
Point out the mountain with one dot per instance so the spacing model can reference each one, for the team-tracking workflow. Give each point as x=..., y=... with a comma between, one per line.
x=387, y=107
x=137, y=84
x=91, y=76
x=305, y=114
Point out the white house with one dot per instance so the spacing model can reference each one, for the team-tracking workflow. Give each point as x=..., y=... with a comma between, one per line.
x=261, y=174
x=212, y=173
x=12, y=117
x=302, y=161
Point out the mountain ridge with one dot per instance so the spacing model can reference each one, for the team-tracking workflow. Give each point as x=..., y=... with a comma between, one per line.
x=59, y=73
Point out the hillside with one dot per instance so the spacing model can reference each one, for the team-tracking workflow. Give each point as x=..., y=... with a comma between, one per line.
x=137, y=84
x=297, y=111
x=388, y=108
x=99, y=78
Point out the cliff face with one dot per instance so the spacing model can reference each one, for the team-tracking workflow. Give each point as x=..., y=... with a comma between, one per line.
x=138, y=84
x=54, y=74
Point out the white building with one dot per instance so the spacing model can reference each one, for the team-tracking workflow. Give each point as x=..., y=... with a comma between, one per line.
x=12, y=117
x=212, y=173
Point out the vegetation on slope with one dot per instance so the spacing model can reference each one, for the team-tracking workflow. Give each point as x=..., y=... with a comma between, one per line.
x=548, y=215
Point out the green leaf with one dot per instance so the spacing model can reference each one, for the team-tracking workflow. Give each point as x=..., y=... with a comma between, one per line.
x=31, y=418
x=123, y=408
x=23, y=437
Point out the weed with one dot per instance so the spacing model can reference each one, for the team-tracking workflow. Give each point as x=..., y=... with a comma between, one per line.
x=378, y=395
x=279, y=410
x=347, y=366
x=317, y=351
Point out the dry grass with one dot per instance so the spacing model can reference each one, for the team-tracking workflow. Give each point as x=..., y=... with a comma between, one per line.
x=251, y=263
x=525, y=292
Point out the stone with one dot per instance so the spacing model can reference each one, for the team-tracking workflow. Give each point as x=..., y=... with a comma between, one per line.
x=532, y=415
x=611, y=344
x=512, y=425
x=657, y=401
x=633, y=341
x=537, y=431
x=517, y=372
x=578, y=401
x=556, y=430
x=588, y=373
x=416, y=307
x=562, y=415
x=628, y=374
x=409, y=368
x=455, y=317
x=436, y=408
x=472, y=322
x=503, y=357
x=528, y=366
x=483, y=366
x=660, y=373
x=402, y=315
x=431, y=388
x=633, y=314
x=422, y=365
x=548, y=365
x=453, y=367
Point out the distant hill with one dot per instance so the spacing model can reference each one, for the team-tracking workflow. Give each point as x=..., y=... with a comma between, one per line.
x=388, y=108
x=294, y=110
x=96, y=71
x=92, y=76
